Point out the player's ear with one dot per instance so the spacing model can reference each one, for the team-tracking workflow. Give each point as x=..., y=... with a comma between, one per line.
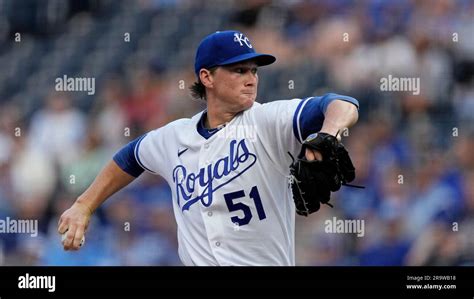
x=206, y=77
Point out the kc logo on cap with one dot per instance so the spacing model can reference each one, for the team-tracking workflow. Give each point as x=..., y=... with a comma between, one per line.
x=242, y=38
x=227, y=47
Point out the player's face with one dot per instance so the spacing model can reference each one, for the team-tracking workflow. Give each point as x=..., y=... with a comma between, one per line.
x=236, y=85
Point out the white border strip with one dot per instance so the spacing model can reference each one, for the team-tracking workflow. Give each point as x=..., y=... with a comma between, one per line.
x=298, y=119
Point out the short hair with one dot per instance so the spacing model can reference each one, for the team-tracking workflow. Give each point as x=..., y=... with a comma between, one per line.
x=198, y=90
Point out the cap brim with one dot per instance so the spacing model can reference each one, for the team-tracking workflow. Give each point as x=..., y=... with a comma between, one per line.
x=260, y=59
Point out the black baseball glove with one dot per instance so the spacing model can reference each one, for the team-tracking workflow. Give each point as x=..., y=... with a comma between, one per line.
x=313, y=181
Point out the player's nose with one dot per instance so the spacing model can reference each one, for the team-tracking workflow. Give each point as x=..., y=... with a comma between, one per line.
x=251, y=79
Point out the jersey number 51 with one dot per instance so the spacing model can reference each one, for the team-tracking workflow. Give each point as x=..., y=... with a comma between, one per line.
x=236, y=206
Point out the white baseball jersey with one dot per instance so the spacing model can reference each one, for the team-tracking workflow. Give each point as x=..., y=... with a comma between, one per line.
x=231, y=194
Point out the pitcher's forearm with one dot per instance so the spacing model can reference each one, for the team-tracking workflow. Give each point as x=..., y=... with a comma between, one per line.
x=110, y=180
x=339, y=115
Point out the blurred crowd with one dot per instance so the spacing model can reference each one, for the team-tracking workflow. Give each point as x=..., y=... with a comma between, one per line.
x=412, y=152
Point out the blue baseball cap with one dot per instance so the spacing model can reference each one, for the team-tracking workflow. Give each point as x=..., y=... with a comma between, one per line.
x=227, y=47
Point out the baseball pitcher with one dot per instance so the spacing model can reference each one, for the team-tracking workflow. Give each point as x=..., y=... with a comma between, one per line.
x=239, y=171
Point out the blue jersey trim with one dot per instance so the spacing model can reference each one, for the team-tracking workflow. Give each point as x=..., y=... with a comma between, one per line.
x=329, y=97
x=126, y=160
x=137, y=157
x=311, y=117
x=296, y=122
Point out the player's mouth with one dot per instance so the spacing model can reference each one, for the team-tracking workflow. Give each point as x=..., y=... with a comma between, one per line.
x=249, y=96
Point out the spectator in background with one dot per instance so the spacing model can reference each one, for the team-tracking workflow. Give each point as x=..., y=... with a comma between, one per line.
x=354, y=203
x=466, y=224
x=316, y=247
x=26, y=188
x=58, y=129
x=77, y=174
x=438, y=245
x=9, y=125
x=432, y=198
x=463, y=94
x=109, y=116
x=391, y=247
x=449, y=243
x=302, y=16
x=146, y=105
x=33, y=179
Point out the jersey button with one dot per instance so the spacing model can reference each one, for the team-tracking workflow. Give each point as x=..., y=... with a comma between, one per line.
x=218, y=243
x=206, y=146
x=209, y=213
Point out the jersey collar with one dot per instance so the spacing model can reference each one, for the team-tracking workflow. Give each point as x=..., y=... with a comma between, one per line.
x=203, y=131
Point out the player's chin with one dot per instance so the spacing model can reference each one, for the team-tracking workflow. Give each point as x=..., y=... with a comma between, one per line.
x=248, y=99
